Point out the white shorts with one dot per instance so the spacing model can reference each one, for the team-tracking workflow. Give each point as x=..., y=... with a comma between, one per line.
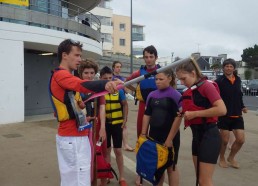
x=74, y=159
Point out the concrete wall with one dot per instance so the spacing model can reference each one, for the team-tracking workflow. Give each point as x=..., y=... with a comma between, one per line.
x=34, y=71
x=11, y=81
x=37, y=71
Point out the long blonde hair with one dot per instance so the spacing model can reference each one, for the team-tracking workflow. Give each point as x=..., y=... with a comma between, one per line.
x=189, y=67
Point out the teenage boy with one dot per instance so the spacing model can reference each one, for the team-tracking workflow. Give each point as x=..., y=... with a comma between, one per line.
x=116, y=118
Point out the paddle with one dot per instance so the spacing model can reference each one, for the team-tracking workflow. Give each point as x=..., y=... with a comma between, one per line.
x=140, y=78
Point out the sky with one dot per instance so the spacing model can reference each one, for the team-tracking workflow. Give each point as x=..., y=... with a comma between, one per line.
x=182, y=27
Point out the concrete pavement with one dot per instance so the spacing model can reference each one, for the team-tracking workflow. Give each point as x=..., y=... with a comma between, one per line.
x=28, y=154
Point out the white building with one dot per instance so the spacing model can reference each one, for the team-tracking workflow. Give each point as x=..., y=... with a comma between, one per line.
x=29, y=36
x=105, y=13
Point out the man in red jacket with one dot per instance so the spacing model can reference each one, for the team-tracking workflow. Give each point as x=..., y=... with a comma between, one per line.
x=73, y=148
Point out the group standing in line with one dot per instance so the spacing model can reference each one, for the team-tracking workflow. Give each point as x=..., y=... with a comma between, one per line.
x=161, y=109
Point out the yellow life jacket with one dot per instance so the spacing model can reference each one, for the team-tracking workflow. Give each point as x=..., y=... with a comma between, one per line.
x=114, y=114
x=62, y=108
x=152, y=159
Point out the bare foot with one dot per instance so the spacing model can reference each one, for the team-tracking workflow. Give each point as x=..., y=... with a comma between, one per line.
x=128, y=148
x=138, y=181
x=233, y=163
x=223, y=164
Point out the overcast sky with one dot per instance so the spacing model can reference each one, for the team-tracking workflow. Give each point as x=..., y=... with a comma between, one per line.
x=184, y=26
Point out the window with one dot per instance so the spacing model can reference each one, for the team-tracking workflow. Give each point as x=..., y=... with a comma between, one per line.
x=107, y=37
x=122, y=42
x=122, y=27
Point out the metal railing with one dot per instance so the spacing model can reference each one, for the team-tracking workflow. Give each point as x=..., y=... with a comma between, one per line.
x=60, y=15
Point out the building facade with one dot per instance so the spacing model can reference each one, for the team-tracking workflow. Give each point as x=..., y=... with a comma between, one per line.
x=105, y=13
x=122, y=34
x=29, y=36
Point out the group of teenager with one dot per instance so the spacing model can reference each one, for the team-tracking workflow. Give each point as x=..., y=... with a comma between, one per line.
x=210, y=109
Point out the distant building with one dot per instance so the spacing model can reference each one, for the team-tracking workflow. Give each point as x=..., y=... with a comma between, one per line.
x=105, y=13
x=122, y=34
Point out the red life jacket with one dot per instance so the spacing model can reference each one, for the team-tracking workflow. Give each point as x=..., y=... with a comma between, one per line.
x=194, y=101
x=104, y=169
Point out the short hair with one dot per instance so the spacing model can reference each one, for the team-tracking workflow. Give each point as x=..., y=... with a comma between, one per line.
x=150, y=49
x=229, y=61
x=105, y=70
x=114, y=64
x=66, y=46
x=87, y=63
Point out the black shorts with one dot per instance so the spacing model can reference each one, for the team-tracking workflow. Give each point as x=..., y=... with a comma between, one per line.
x=206, y=142
x=228, y=123
x=116, y=132
x=176, y=144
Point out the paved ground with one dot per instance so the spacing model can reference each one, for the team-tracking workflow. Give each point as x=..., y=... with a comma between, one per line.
x=28, y=155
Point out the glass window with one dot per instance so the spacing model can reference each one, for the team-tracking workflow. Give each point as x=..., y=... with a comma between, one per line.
x=122, y=42
x=55, y=7
x=122, y=27
x=105, y=20
x=39, y=5
x=107, y=37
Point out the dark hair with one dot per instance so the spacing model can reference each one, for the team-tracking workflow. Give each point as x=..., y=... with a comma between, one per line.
x=105, y=70
x=150, y=49
x=87, y=63
x=66, y=46
x=170, y=73
x=114, y=64
x=190, y=66
x=229, y=61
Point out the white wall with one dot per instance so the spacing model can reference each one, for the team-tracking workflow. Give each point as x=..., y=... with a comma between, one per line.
x=106, y=12
x=46, y=39
x=11, y=81
x=13, y=39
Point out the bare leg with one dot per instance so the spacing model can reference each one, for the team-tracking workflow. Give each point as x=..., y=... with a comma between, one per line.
x=138, y=181
x=206, y=173
x=224, y=137
x=231, y=139
x=195, y=162
x=125, y=140
x=240, y=139
x=161, y=181
x=108, y=158
x=120, y=162
x=173, y=176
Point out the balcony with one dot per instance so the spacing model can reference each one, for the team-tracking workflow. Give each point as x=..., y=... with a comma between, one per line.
x=60, y=15
x=138, y=37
